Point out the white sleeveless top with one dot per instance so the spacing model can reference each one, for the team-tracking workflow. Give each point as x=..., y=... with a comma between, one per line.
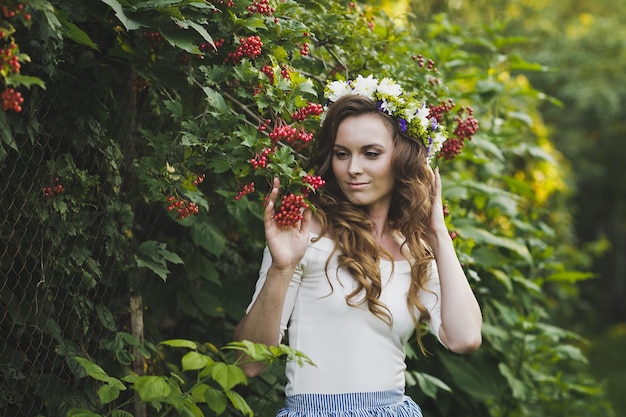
x=353, y=350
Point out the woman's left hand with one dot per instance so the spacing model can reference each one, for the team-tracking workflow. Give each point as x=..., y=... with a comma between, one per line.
x=437, y=223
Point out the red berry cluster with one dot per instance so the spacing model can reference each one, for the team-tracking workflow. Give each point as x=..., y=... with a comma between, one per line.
x=183, y=207
x=261, y=159
x=269, y=72
x=198, y=180
x=262, y=7
x=57, y=188
x=282, y=132
x=154, y=37
x=9, y=59
x=304, y=50
x=467, y=126
x=11, y=100
x=438, y=111
x=263, y=126
x=245, y=190
x=228, y=3
x=315, y=181
x=285, y=72
x=139, y=84
x=430, y=64
x=18, y=9
x=314, y=109
x=206, y=46
x=451, y=148
x=289, y=212
x=248, y=47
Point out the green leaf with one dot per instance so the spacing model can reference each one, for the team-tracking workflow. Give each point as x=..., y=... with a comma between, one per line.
x=193, y=361
x=570, y=276
x=93, y=370
x=152, y=388
x=128, y=23
x=216, y=400
x=108, y=393
x=25, y=80
x=180, y=343
x=517, y=386
x=106, y=318
x=483, y=236
x=430, y=384
x=239, y=403
x=216, y=101
x=227, y=375
x=70, y=30
x=477, y=377
x=208, y=237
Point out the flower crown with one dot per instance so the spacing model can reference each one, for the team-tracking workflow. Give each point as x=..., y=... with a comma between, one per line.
x=411, y=111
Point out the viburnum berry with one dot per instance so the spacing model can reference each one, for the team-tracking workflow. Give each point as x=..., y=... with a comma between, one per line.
x=311, y=109
x=249, y=47
x=451, y=148
x=467, y=126
x=199, y=179
x=154, y=37
x=315, y=181
x=283, y=133
x=183, y=207
x=261, y=159
x=53, y=190
x=304, y=50
x=269, y=72
x=261, y=7
x=289, y=212
x=245, y=190
x=11, y=100
x=206, y=46
x=285, y=72
x=9, y=58
x=438, y=112
x=453, y=234
x=446, y=210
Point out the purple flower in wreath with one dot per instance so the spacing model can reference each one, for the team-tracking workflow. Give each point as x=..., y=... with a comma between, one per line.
x=402, y=123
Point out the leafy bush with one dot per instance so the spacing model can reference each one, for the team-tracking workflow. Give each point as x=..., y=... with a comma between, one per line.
x=142, y=142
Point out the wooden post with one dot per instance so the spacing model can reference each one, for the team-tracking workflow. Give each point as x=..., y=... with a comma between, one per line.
x=139, y=362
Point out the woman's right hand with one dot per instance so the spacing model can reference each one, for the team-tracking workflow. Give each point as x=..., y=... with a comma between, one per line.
x=286, y=244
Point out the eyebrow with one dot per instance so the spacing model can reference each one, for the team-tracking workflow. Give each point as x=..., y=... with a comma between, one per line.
x=364, y=147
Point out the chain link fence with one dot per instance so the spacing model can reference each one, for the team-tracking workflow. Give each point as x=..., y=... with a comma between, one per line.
x=62, y=290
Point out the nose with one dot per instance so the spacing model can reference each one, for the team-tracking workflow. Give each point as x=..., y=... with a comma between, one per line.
x=355, y=167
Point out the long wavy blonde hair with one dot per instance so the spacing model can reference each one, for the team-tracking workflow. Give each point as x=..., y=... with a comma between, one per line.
x=350, y=226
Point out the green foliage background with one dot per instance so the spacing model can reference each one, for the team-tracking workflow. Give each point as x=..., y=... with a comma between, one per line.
x=124, y=123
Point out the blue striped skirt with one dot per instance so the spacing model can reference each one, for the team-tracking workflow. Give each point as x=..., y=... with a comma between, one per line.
x=359, y=404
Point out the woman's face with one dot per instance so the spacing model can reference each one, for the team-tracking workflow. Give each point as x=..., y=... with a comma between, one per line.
x=362, y=161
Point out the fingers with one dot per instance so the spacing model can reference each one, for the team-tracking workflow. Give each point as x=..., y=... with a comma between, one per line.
x=271, y=200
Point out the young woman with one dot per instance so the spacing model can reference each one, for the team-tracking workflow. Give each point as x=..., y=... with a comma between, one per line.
x=352, y=283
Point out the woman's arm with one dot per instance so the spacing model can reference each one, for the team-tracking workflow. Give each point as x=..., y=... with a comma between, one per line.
x=460, y=313
x=287, y=247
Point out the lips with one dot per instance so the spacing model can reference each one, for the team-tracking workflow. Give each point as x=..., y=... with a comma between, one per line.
x=357, y=185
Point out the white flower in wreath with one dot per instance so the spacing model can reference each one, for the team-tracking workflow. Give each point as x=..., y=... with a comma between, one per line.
x=388, y=107
x=365, y=87
x=422, y=115
x=338, y=89
x=437, y=143
x=389, y=87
